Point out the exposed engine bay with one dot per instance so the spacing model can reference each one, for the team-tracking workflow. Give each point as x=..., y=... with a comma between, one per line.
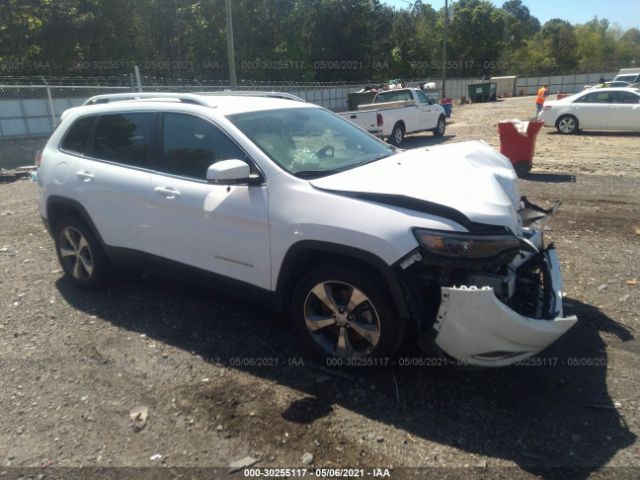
x=516, y=294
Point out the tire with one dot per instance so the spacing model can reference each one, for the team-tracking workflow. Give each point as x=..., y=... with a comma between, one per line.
x=440, y=127
x=341, y=312
x=397, y=134
x=567, y=125
x=80, y=254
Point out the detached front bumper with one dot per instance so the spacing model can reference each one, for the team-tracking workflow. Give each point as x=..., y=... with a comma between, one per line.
x=474, y=327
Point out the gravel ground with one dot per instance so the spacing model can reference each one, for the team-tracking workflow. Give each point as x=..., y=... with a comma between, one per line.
x=222, y=380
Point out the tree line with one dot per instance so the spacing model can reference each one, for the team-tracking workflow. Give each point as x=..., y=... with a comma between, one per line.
x=300, y=40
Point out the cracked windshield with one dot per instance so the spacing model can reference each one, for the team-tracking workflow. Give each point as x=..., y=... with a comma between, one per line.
x=310, y=142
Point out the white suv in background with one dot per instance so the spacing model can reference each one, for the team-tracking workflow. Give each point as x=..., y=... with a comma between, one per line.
x=357, y=241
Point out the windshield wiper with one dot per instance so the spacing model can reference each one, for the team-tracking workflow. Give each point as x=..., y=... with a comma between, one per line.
x=324, y=173
x=318, y=173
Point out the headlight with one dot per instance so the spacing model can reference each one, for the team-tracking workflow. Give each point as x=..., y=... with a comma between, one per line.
x=465, y=245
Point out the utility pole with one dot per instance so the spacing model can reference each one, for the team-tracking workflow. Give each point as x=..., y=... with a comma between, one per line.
x=178, y=34
x=230, y=49
x=136, y=72
x=444, y=45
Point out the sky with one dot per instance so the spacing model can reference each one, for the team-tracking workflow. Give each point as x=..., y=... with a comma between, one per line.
x=625, y=13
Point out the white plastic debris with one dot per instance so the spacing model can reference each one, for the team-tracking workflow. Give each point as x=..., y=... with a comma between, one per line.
x=521, y=126
x=242, y=463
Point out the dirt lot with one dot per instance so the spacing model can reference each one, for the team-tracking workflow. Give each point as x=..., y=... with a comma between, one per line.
x=223, y=380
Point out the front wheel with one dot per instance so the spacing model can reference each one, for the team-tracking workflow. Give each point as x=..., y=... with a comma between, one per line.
x=440, y=127
x=567, y=124
x=340, y=312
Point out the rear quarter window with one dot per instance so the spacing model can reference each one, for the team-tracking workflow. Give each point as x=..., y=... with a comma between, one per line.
x=76, y=138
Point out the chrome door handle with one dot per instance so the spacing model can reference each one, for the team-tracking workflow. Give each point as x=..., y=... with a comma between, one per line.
x=85, y=175
x=168, y=192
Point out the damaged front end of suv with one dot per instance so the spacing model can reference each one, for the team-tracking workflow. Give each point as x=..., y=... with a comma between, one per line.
x=498, y=295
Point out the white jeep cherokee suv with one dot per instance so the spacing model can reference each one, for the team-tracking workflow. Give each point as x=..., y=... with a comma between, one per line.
x=357, y=241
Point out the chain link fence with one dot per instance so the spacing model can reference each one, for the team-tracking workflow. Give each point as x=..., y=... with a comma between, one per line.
x=30, y=107
x=30, y=112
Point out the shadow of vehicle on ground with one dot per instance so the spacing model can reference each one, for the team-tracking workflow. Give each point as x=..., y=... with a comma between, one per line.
x=10, y=177
x=553, y=412
x=549, y=177
x=426, y=140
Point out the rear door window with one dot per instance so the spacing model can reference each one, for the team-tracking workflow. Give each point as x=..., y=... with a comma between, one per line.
x=191, y=144
x=124, y=138
x=75, y=140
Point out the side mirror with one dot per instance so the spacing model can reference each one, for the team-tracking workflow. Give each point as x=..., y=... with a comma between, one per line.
x=231, y=171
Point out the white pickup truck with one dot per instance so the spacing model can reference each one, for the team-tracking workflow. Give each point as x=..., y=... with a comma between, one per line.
x=395, y=113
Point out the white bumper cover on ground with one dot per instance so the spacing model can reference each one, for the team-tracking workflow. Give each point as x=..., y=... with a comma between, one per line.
x=476, y=328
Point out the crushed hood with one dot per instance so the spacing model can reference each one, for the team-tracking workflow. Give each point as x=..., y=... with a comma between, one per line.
x=468, y=178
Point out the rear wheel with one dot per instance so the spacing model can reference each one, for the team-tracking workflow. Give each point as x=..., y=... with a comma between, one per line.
x=80, y=254
x=567, y=124
x=339, y=312
x=440, y=127
x=397, y=135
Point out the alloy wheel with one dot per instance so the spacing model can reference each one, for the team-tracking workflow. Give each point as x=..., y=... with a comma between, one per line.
x=341, y=319
x=75, y=254
x=567, y=125
x=398, y=136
